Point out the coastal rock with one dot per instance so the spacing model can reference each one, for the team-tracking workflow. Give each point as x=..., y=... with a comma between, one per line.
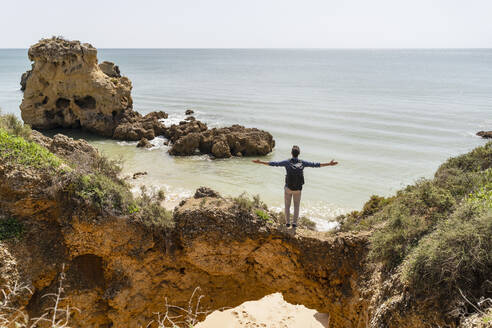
x=25, y=76
x=220, y=142
x=485, y=134
x=67, y=88
x=144, y=143
x=220, y=149
x=137, y=175
x=110, y=69
x=189, y=112
x=186, y=145
x=184, y=128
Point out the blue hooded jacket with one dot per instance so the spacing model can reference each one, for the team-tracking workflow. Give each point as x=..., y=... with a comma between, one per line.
x=294, y=179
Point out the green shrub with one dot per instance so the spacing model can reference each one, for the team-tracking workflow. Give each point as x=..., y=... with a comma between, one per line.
x=12, y=125
x=108, y=167
x=479, y=159
x=457, y=255
x=263, y=215
x=10, y=228
x=17, y=150
x=413, y=213
x=358, y=220
x=244, y=203
x=101, y=191
x=482, y=197
x=148, y=210
x=305, y=222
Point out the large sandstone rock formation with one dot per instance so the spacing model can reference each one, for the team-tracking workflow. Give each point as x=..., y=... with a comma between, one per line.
x=67, y=88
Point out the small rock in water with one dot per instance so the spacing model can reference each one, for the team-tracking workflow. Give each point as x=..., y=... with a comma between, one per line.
x=137, y=175
x=189, y=112
x=144, y=143
x=190, y=118
x=485, y=134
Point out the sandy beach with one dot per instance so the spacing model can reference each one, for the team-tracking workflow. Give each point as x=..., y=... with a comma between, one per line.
x=271, y=311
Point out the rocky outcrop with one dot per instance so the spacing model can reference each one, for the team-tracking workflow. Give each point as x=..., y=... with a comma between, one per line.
x=192, y=137
x=485, y=134
x=67, y=88
x=144, y=143
x=110, y=69
x=133, y=126
x=25, y=76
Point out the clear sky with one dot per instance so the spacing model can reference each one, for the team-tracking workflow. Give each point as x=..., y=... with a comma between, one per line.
x=250, y=23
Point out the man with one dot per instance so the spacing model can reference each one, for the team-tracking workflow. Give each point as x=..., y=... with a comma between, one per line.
x=294, y=179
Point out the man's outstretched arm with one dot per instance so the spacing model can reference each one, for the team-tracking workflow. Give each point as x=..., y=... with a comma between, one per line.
x=332, y=163
x=257, y=161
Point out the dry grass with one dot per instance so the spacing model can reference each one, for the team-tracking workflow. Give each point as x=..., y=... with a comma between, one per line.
x=13, y=315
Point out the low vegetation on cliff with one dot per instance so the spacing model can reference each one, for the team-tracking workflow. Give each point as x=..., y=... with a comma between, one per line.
x=82, y=175
x=15, y=147
x=437, y=233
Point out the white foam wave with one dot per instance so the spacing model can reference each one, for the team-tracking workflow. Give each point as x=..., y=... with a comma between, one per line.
x=127, y=143
x=173, y=118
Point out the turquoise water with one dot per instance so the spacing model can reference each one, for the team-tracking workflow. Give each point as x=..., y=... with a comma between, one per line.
x=388, y=116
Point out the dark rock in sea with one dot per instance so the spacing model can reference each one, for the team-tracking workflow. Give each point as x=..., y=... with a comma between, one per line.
x=219, y=142
x=190, y=118
x=485, y=134
x=110, y=69
x=134, y=126
x=189, y=112
x=156, y=115
x=206, y=192
x=144, y=143
x=137, y=175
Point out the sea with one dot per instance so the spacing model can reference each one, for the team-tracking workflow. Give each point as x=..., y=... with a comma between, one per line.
x=389, y=117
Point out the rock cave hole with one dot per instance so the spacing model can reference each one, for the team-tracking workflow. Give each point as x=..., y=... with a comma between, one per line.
x=49, y=114
x=87, y=102
x=62, y=103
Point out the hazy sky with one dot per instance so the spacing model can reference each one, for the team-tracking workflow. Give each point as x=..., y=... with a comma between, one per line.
x=250, y=23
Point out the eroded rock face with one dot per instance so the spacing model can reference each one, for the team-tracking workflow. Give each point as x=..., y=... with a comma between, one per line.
x=110, y=69
x=190, y=137
x=67, y=88
x=25, y=76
